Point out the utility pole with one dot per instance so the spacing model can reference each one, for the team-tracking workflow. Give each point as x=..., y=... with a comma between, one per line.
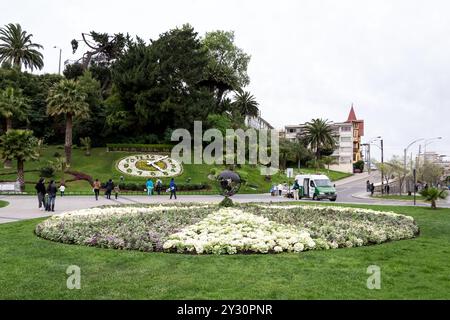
x=60, y=52
x=382, y=162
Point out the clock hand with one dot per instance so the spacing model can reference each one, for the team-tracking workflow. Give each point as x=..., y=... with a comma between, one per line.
x=150, y=163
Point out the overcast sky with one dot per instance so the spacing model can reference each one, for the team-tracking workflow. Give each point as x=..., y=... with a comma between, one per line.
x=390, y=58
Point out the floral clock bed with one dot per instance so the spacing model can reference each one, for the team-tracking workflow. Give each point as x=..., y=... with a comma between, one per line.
x=149, y=165
x=203, y=229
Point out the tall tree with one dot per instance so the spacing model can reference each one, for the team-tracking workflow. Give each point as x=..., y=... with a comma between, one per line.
x=227, y=64
x=17, y=48
x=67, y=98
x=159, y=85
x=20, y=145
x=319, y=135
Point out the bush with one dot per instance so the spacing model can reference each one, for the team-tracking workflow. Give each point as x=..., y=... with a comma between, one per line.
x=359, y=165
x=47, y=172
x=226, y=202
x=139, y=147
x=57, y=154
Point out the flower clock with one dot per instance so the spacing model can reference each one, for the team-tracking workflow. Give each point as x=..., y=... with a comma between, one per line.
x=150, y=165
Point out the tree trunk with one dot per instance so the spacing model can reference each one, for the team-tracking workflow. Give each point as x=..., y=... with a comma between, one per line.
x=8, y=124
x=68, y=142
x=8, y=163
x=433, y=204
x=20, y=175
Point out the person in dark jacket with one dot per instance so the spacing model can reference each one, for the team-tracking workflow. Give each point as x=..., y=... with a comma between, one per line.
x=51, y=190
x=40, y=191
x=109, y=188
x=372, y=189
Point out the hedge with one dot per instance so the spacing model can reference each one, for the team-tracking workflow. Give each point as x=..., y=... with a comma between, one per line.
x=139, y=147
x=180, y=187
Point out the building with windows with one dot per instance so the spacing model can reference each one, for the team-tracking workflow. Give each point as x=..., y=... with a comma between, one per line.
x=348, y=140
x=257, y=123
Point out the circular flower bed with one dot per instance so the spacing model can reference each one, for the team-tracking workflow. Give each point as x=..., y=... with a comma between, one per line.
x=149, y=165
x=242, y=229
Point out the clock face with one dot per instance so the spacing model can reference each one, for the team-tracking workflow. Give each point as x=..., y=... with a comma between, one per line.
x=149, y=165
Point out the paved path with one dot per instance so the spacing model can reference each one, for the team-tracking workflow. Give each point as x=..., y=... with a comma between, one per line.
x=350, y=190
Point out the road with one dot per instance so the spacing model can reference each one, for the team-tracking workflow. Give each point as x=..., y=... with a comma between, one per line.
x=350, y=190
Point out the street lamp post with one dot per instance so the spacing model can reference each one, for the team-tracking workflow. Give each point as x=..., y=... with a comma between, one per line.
x=404, y=159
x=427, y=142
x=59, y=64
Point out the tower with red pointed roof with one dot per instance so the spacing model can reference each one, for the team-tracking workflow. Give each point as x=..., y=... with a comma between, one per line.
x=358, y=132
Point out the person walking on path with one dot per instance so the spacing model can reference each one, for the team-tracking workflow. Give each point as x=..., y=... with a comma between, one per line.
x=296, y=189
x=62, y=189
x=149, y=186
x=97, y=186
x=368, y=186
x=40, y=190
x=173, y=188
x=51, y=190
x=372, y=189
x=116, y=191
x=158, y=186
x=109, y=188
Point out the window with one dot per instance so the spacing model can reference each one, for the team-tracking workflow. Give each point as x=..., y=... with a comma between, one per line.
x=346, y=139
x=346, y=128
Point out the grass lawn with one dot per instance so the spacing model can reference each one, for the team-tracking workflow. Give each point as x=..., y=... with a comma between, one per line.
x=400, y=197
x=3, y=203
x=101, y=165
x=33, y=268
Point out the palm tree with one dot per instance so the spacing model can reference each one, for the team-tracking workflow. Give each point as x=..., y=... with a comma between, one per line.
x=67, y=98
x=17, y=49
x=433, y=194
x=319, y=135
x=245, y=104
x=20, y=145
x=12, y=104
x=328, y=161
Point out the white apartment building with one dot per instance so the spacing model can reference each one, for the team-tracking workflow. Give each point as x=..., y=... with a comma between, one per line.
x=343, y=133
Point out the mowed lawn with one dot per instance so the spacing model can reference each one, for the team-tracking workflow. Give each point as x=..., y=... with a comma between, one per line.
x=32, y=268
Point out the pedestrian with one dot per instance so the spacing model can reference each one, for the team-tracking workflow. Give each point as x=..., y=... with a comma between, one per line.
x=280, y=189
x=97, y=185
x=368, y=186
x=109, y=188
x=158, y=186
x=51, y=190
x=62, y=189
x=173, y=188
x=116, y=191
x=149, y=186
x=40, y=190
x=372, y=189
x=296, y=189
x=388, y=189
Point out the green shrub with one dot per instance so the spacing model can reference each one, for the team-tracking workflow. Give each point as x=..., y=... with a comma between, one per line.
x=139, y=147
x=47, y=172
x=226, y=202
